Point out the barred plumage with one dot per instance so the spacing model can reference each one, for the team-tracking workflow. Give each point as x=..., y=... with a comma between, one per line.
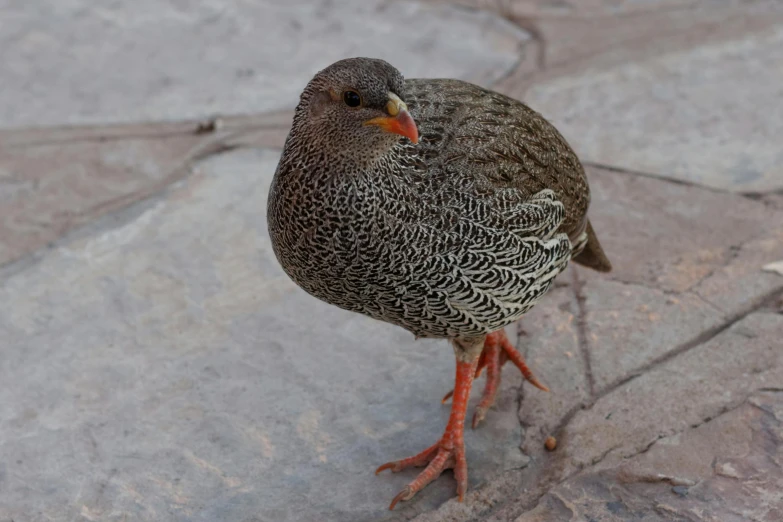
x=454, y=236
x=458, y=235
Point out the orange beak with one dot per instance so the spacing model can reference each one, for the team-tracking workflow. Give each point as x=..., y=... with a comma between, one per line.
x=399, y=120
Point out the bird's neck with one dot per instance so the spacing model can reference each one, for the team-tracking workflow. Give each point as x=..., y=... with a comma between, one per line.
x=337, y=151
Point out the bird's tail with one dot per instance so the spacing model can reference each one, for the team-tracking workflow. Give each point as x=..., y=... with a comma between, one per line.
x=592, y=255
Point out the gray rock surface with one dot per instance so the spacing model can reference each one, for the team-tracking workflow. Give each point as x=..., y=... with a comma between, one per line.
x=705, y=114
x=720, y=471
x=72, y=62
x=686, y=260
x=53, y=180
x=700, y=384
x=156, y=364
x=49, y=188
x=172, y=371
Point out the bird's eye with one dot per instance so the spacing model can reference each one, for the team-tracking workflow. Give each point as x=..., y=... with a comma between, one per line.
x=352, y=98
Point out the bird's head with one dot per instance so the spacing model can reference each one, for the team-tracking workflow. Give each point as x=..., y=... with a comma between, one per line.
x=355, y=109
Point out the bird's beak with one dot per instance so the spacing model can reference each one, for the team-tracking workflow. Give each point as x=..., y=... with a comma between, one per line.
x=399, y=120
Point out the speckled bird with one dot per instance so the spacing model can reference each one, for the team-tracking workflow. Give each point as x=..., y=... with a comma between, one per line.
x=435, y=205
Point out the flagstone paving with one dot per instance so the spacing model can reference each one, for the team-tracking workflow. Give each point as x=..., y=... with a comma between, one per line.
x=157, y=364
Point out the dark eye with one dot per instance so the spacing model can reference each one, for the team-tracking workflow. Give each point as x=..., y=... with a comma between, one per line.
x=352, y=98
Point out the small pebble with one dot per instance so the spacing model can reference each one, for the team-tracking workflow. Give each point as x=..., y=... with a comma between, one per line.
x=550, y=443
x=680, y=490
x=211, y=125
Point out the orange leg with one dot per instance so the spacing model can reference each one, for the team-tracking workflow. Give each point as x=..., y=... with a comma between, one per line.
x=497, y=350
x=449, y=451
x=495, y=359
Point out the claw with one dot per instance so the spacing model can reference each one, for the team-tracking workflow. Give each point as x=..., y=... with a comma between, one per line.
x=416, y=461
x=437, y=458
x=538, y=384
x=383, y=467
x=447, y=397
x=478, y=417
x=405, y=494
x=515, y=357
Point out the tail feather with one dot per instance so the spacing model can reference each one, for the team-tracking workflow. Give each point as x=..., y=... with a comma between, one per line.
x=593, y=256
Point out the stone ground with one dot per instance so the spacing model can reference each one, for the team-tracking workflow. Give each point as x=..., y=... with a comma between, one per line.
x=156, y=364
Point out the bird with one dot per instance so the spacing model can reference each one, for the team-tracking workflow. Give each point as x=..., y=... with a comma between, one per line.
x=435, y=205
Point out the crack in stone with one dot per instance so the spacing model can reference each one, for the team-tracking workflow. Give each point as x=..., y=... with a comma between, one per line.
x=649, y=445
x=733, y=252
x=597, y=460
x=594, y=462
x=667, y=512
x=770, y=199
x=676, y=181
x=706, y=301
x=551, y=484
x=581, y=325
x=665, y=291
x=760, y=408
x=523, y=23
x=512, y=70
x=129, y=131
x=529, y=25
x=700, y=339
x=569, y=415
x=75, y=222
x=745, y=399
x=520, y=395
x=567, y=505
x=176, y=173
x=219, y=144
x=759, y=197
x=631, y=478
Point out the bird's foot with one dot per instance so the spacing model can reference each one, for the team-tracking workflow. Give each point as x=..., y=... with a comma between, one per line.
x=497, y=351
x=449, y=451
x=445, y=454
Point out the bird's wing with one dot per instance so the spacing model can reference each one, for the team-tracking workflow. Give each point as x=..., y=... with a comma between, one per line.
x=484, y=271
x=499, y=274
x=500, y=141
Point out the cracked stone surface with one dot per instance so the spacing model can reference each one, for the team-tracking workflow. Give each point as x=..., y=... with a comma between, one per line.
x=197, y=381
x=727, y=469
x=170, y=60
x=695, y=386
x=695, y=260
x=50, y=188
x=179, y=383
x=53, y=180
x=661, y=355
x=551, y=339
x=156, y=364
x=186, y=62
x=676, y=113
x=650, y=86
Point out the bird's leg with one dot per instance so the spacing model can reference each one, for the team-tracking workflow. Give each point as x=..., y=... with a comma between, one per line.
x=497, y=350
x=449, y=451
x=496, y=358
x=482, y=363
